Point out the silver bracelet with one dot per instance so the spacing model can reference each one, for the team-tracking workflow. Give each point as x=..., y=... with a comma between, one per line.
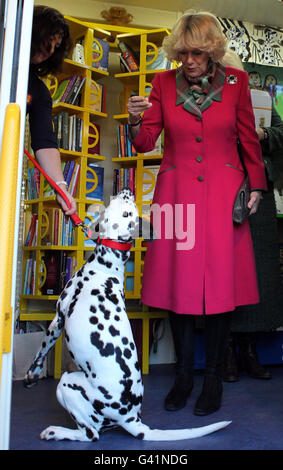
x=61, y=182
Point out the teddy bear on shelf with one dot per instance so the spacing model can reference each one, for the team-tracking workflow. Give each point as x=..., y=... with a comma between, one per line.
x=117, y=16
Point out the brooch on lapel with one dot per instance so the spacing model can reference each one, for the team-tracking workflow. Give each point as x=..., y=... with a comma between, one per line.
x=232, y=79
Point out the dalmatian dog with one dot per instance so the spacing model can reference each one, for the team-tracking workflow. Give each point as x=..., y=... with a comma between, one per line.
x=107, y=390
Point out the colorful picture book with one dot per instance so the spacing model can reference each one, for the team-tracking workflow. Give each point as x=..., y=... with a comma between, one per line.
x=129, y=57
x=33, y=183
x=99, y=61
x=94, y=182
x=97, y=97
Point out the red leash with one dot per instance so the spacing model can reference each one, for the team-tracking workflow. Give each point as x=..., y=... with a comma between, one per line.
x=74, y=217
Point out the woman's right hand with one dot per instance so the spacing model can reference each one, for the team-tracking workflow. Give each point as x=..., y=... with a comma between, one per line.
x=137, y=105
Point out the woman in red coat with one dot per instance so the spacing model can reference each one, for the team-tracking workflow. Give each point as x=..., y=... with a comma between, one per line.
x=201, y=263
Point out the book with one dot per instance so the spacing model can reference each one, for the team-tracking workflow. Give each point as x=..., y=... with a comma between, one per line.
x=124, y=178
x=96, y=96
x=31, y=231
x=63, y=87
x=99, y=61
x=94, y=181
x=129, y=56
x=76, y=90
x=160, y=62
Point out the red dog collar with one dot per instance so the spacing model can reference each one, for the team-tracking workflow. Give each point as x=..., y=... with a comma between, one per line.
x=113, y=244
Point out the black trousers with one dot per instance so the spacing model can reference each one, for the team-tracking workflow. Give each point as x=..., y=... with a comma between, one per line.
x=216, y=334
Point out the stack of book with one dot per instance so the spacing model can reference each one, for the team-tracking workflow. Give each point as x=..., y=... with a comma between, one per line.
x=31, y=239
x=128, y=59
x=99, y=61
x=71, y=171
x=125, y=147
x=33, y=180
x=68, y=90
x=29, y=277
x=124, y=178
x=59, y=230
x=68, y=130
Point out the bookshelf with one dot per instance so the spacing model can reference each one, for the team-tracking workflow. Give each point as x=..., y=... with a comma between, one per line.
x=85, y=115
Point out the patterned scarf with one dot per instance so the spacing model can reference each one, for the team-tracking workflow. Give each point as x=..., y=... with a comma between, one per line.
x=198, y=94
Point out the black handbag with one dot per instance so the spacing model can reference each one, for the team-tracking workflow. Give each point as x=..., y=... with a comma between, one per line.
x=240, y=209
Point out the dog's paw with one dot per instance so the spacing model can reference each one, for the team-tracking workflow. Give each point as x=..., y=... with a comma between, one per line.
x=52, y=432
x=30, y=380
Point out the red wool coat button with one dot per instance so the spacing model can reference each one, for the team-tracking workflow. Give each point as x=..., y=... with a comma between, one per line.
x=200, y=178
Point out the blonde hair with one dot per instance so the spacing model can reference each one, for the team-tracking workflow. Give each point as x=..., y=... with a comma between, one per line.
x=196, y=30
x=231, y=59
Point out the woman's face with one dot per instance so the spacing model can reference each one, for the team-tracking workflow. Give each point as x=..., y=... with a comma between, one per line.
x=47, y=49
x=194, y=61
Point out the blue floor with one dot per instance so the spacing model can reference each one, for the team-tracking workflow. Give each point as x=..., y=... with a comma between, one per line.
x=254, y=406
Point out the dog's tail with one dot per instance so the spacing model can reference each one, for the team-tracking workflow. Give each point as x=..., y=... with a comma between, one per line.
x=142, y=431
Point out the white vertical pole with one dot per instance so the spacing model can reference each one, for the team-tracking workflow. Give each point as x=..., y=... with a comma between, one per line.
x=21, y=99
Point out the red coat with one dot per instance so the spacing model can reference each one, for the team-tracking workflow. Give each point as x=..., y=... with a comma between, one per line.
x=214, y=271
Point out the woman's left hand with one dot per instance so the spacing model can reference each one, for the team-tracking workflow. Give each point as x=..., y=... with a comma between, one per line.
x=253, y=203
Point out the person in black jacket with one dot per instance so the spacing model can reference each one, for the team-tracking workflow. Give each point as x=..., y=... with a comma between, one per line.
x=49, y=45
x=249, y=321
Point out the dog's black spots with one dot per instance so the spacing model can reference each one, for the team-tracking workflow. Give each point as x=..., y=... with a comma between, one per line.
x=105, y=312
x=125, y=340
x=48, y=333
x=94, y=419
x=98, y=406
x=63, y=295
x=129, y=420
x=118, y=309
x=113, y=331
x=117, y=318
x=123, y=411
x=86, y=278
x=51, y=433
x=44, y=344
x=115, y=405
x=67, y=337
x=102, y=261
x=91, y=258
x=69, y=283
x=105, y=392
x=132, y=346
x=123, y=366
x=91, y=273
x=115, y=226
x=93, y=320
x=80, y=389
x=107, y=350
x=93, y=308
x=137, y=366
x=101, y=298
x=93, y=375
x=140, y=436
x=100, y=326
x=114, y=280
x=95, y=292
x=89, y=434
x=127, y=397
x=71, y=354
x=127, y=353
x=80, y=285
x=88, y=366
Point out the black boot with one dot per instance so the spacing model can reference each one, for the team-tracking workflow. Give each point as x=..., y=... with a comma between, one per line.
x=248, y=357
x=216, y=334
x=230, y=365
x=182, y=327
